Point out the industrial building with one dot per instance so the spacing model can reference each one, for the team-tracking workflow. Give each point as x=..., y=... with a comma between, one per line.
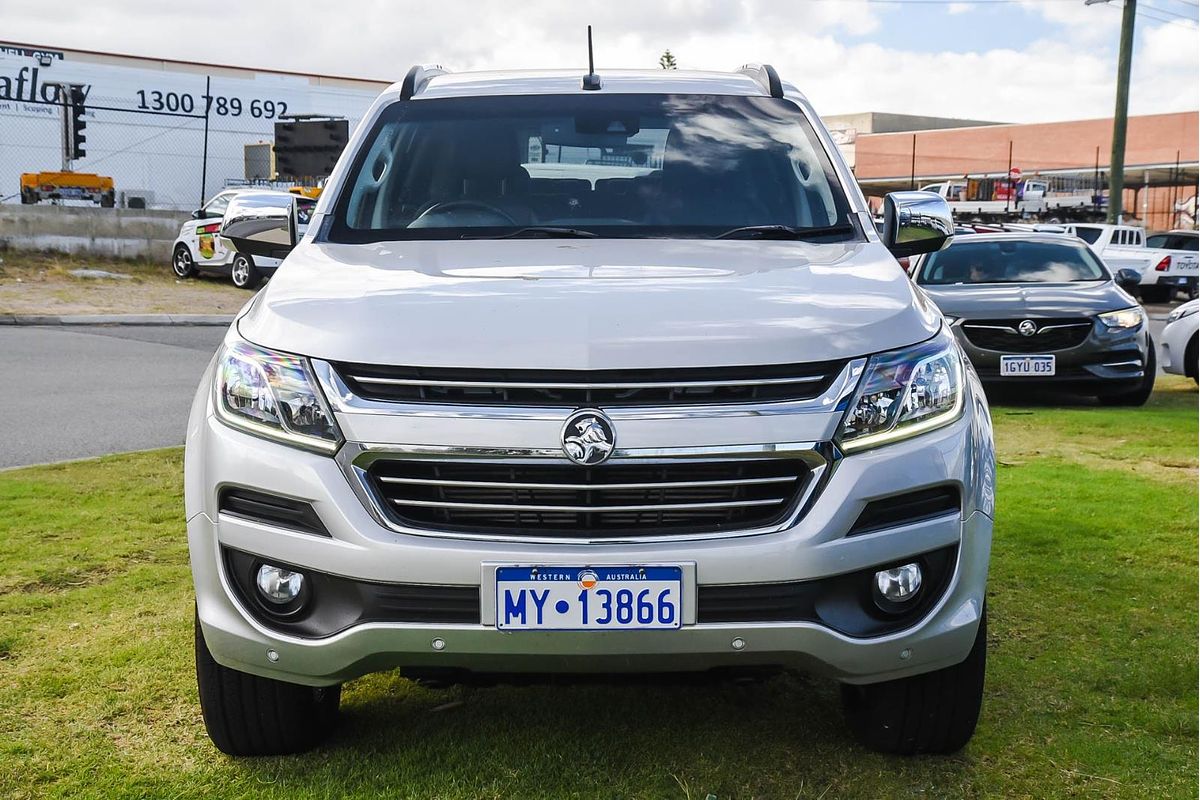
x=167, y=132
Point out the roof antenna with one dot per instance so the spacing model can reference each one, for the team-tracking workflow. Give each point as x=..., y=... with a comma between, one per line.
x=591, y=81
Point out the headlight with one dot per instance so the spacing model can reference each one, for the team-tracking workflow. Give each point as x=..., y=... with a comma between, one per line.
x=275, y=396
x=905, y=392
x=1125, y=318
x=1185, y=310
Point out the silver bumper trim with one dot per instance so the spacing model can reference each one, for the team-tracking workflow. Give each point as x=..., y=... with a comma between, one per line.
x=355, y=459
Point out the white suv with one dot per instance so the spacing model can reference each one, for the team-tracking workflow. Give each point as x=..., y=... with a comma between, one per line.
x=579, y=376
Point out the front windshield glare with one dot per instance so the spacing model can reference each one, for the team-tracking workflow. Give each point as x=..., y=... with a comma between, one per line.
x=1010, y=262
x=615, y=165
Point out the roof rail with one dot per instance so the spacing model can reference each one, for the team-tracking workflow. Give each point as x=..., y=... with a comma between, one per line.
x=766, y=75
x=417, y=77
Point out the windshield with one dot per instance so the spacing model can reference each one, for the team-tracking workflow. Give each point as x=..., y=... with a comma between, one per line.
x=1089, y=235
x=629, y=165
x=1011, y=262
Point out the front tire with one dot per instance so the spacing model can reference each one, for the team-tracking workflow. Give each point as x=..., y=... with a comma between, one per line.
x=246, y=715
x=182, y=263
x=1140, y=395
x=245, y=275
x=931, y=713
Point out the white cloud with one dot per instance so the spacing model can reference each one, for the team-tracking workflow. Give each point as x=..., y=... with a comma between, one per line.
x=958, y=8
x=1063, y=69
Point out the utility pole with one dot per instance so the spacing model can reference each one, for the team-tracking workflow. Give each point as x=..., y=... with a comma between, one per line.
x=1116, y=178
x=204, y=157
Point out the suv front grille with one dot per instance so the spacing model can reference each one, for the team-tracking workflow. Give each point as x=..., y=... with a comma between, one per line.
x=603, y=388
x=563, y=500
x=1003, y=336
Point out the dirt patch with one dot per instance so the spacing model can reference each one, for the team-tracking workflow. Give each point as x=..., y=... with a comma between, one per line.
x=43, y=284
x=61, y=581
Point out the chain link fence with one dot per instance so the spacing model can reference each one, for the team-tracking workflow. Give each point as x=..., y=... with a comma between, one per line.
x=167, y=150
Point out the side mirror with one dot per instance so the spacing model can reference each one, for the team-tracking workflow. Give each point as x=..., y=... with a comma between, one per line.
x=199, y=213
x=916, y=223
x=267, y=225
x=1128, y=279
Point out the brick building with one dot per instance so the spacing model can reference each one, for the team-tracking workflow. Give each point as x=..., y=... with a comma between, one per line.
x=1160, y=159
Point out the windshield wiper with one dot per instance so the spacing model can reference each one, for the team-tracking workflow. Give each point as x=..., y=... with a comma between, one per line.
x=534, y=231
x=783, y=232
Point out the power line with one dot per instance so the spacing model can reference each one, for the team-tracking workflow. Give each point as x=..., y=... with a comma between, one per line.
x=1188, y=17
x=946, y=2
x=1166, y=21
x=956, y=2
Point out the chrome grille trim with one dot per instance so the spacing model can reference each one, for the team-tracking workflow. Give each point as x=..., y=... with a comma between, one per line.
x=583, y=487
x=517, y=507
x=606, y=385
x=635, y=387
x=344, y=400
x=1011, y=329
x=355, y=459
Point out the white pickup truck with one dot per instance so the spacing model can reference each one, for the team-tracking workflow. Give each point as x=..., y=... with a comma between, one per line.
x=1163, y=271
x=1035, y=199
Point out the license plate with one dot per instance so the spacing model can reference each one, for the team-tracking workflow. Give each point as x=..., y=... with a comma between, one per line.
x=588, y=598
x=1038, y=366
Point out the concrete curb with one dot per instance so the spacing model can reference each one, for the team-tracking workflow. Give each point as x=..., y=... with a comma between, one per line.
x=212, y=320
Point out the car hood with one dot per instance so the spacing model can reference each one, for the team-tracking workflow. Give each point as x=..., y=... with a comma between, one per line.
x=1006, y=301
x=595, y=304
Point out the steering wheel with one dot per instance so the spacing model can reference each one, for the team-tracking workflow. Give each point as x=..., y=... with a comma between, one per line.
x=456, y=205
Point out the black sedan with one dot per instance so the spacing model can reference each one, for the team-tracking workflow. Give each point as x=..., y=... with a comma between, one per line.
x=1043, y=310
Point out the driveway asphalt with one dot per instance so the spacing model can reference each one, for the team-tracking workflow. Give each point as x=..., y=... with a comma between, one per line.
x=80, y=392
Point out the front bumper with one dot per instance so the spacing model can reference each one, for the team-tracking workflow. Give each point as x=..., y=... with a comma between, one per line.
x=814, y=546
x=1173, y=349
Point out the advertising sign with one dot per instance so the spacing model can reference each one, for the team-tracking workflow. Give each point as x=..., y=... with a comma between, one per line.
x=146, y=125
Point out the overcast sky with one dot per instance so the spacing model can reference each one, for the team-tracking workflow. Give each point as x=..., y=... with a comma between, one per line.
x=1005, y=60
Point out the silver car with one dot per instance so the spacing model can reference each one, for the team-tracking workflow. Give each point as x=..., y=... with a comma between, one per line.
x=581, y=377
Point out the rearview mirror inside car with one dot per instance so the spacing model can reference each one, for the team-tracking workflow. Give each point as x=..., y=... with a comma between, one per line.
x=916, y=223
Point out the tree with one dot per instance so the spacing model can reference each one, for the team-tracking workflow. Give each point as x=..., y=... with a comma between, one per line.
x=667, y=61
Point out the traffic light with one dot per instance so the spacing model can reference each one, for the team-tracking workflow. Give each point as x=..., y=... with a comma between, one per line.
x=309, y=148
x=77, y=123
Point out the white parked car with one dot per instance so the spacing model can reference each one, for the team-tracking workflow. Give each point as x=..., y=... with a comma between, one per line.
x=1124, y=247
x=1178, y=343
x=199, y=248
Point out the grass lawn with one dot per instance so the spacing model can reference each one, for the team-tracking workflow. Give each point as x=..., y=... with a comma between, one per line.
x=41, y=283
x=1092, y=679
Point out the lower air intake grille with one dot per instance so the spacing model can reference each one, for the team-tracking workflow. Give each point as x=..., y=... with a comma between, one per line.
x=905, y=509
x=270, y=509
x=568, y=501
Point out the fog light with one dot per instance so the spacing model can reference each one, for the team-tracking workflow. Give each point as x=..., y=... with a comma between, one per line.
x=898, y=584
x=278, y=585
